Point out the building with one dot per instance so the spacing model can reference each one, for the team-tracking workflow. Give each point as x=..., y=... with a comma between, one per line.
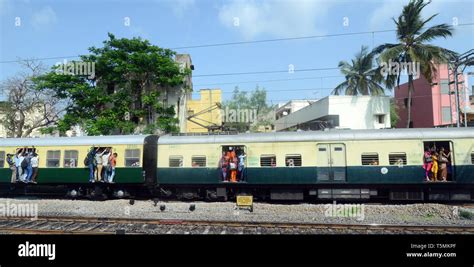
x=204, y=113
x=178, y=96
x=36, y=117
x=470, y=111
x=433, y=105
x=347, y=112
x=291, y=106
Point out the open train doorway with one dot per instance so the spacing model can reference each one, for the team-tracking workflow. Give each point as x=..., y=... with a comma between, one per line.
x=442, y=161
x=233, y=162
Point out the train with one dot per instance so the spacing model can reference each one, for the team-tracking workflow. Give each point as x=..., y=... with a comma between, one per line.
x=354, y=165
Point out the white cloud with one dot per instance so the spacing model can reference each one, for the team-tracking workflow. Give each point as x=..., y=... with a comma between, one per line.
x=281, y=18
x=382, y=16
x=44, y=17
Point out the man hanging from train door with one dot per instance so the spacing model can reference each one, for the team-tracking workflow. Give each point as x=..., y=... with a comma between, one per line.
x=241, y=165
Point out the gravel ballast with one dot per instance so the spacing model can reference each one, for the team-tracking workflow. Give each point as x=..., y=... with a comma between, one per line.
x=413, y=214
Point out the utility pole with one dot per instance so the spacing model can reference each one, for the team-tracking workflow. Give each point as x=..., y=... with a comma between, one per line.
x=465, y=59
x=456, y=93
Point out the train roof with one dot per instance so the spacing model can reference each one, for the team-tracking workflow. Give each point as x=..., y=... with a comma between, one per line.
x=83, y=140
x=331, y=135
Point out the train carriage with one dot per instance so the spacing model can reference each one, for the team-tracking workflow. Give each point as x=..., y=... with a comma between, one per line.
x=61, y=160
x=335, y=164
x=324, y=165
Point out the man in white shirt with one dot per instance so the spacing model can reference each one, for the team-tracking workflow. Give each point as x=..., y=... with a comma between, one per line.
x=105, y=164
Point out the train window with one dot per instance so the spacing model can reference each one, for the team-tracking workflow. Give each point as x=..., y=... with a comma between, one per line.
x=397, y=159
x=176, y=161
x=52, y=158
x=70, y=158
x=370, y=159
x=2, y=159
x=267, y=161
x=293, y=160
x=132, y=157
x=198, y=161
x=472, y=157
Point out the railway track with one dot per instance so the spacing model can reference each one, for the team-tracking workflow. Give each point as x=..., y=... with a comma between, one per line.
x=104, y=226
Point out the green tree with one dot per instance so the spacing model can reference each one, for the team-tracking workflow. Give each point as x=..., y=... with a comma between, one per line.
x=412, y=48
x=123, y=95
x=394, y=117
x=254, y=101
x=363, y=77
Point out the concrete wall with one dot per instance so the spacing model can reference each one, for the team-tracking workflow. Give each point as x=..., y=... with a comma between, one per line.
x=354, y=112
x=208, y=98
x=428, y=101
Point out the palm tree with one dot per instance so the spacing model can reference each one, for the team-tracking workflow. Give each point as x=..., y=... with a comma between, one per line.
x=362, y=77
x=412, y=48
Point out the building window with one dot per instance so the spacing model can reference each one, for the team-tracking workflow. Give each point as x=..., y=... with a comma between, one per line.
x=176, y=161
x=397, y=159
x=2, y=159
x=52, y=158
x=267, y=161
x=293, y=160
x=198, y=161
x=370, y=159
x=70, y=158
x=446, y=114
x=444, y=83
x=132, y=158
x=380, y=119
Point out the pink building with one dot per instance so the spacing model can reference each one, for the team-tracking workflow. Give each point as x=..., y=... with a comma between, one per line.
x=433, y=105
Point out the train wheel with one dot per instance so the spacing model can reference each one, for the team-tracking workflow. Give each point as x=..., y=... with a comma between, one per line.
x=97, y=193
x=211, y=195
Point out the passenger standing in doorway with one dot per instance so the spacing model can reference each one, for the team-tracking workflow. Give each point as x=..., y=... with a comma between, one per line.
x=98, y=160
x=34, y=165
x=444, y=160
x=112, y=163
x=434, y=167
x=18, y=165
x=233, y=167
x=427, y=163
x=90, y=158
x=105, y=165
x=23, y=165
x=11, y=164
x=223, y=167
x=241, y=165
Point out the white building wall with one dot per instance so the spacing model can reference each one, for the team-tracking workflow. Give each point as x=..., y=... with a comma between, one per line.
x=355, y=112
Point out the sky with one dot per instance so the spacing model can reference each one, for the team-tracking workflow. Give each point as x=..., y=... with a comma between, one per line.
x=65, y=28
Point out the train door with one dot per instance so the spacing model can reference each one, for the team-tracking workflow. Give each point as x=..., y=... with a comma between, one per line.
x=331, y=162
x=436, y=146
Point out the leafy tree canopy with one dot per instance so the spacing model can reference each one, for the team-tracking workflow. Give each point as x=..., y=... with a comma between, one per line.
x=122, y=93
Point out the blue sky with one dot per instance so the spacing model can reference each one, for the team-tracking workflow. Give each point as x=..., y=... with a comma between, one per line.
x=69, y=27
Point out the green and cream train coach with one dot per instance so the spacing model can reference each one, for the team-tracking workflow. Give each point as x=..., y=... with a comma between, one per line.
x=335, y=164
x=62, y=160
x=324, y=165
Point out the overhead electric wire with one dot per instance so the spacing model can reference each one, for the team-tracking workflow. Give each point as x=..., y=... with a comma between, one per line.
x=274, y=80
x=247, y=42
